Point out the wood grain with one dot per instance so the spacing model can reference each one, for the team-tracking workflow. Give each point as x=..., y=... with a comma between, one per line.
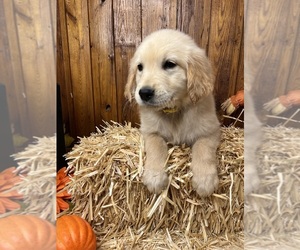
x=6, y=74
x=17, y=104
x=271, y=29
x=102, y=59
x=127, y=35
x=194, y=19
x=64, y=71
x=294, y=76
x=80, y=65
x=224, y=45
x=158, y=15
x=38, y=64
x=96, y=40
x=239, y=83
x=237, y=64
x=118, y=27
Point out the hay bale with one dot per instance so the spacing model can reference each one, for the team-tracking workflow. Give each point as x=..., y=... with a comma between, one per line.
x=107, y=190
x=167, y=239
x=272, y=214
x=37, y=164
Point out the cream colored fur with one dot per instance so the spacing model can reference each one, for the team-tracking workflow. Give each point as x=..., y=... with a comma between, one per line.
x=253, y=137
x=186, y=89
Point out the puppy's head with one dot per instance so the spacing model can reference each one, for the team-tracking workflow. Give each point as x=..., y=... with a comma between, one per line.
x=168, y=71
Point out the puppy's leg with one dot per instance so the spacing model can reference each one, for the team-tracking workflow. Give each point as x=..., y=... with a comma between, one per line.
x=155, y=177
x=252, y=140
x=205, y=177
x=251, y=179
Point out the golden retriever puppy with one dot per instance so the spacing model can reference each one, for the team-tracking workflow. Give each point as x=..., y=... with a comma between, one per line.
x=172, y=81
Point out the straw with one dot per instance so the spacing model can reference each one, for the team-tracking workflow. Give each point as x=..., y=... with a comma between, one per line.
x=107, y=178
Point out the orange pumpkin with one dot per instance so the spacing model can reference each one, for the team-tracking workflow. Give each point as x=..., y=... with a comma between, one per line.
x=26, y=232
x=74, y=233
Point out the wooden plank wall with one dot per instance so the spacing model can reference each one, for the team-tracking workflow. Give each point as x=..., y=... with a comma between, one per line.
x=27, y=59
x=272, y=42
x=96, y=40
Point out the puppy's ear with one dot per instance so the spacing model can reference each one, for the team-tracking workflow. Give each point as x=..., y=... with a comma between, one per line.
x=200, y=76
x=130, y=85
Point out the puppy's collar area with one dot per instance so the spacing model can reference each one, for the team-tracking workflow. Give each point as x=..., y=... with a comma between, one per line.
x=170, y=110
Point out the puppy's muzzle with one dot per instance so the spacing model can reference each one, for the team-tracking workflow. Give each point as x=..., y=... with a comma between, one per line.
x=146, y=93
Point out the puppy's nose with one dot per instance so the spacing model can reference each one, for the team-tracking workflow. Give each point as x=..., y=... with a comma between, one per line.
x=146, y=93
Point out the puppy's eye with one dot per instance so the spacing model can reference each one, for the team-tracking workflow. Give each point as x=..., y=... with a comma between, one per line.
x=169, y=65
x=140, y=67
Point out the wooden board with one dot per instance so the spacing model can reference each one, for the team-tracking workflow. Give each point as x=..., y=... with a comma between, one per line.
x=102, y=60
x=64, y=71
x=270, y=45
x=194, y=19
x=127, y=33
x=12, y=69
x=33, y=21
x=80, y=66
x=6, y=74
x=158, y=15
x=225, y=45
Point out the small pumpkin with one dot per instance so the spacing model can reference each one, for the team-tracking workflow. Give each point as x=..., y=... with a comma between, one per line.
x=26, y=232
x=74, y=233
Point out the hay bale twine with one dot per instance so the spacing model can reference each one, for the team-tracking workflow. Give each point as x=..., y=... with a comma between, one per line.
x=107, y=190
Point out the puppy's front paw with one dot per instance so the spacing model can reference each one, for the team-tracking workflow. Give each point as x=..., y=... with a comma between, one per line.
x=155, y=180
x=205, y=184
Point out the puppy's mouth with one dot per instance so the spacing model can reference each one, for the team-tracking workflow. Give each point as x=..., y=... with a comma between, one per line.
x=167, y=107
x=159, y=100
x=170, y=110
